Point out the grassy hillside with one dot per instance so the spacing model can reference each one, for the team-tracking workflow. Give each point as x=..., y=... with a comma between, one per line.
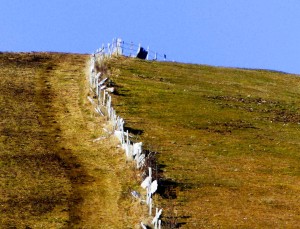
x=227, y=140
x=52, y=174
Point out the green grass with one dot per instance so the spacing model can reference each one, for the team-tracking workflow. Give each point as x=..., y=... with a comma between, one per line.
x=228, y=140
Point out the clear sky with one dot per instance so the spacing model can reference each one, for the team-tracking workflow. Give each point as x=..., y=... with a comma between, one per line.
x=235, y=33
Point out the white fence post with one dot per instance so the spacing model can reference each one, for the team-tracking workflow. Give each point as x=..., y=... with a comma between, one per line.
x=150, y=206
x=138, y=50
x=148, y=53
x=155, y=221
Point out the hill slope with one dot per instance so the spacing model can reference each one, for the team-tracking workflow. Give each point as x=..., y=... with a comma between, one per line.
x=52, y=174
x=227, y=143
x=227, y=140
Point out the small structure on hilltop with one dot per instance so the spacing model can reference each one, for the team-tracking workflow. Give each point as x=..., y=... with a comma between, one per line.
x=119, y=47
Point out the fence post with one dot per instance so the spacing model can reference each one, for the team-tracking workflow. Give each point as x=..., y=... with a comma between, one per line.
x=155, y=223
x=122, y=129
x=138, y=50
x=150, y=206
x=131, y=49
x=104, y=95
x=148, y=53
x=119, y=47
x=149, y=199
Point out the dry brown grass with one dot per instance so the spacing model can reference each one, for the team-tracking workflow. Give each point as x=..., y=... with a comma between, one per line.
x=52, y=174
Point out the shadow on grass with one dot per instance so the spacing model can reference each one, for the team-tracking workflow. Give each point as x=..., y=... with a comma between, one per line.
x=167, y=189
x=173, y=221
x=134, y=131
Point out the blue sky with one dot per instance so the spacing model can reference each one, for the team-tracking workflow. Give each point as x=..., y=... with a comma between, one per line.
x=234, y=33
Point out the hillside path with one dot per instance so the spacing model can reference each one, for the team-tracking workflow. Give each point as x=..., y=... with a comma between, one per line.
x=52, y=173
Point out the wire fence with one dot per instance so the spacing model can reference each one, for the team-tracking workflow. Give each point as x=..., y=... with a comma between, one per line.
x=120, y=47
x=102, y=102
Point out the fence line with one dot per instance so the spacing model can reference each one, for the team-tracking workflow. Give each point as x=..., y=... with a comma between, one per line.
x=119, y=47
x=103, y=106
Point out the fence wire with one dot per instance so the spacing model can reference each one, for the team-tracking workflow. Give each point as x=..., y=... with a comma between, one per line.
x=120, y=47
